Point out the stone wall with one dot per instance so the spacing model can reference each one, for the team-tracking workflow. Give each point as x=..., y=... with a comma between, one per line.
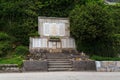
x=45, y=43
x=84, y=66
x=108, y=66
x=9, y=68
x=35, y=65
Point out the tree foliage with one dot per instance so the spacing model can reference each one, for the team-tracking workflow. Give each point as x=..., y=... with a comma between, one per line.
x=90, y=20
x=92, y=27
x=5, y=44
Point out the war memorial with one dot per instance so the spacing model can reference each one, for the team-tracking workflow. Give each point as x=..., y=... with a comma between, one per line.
x=55, y=50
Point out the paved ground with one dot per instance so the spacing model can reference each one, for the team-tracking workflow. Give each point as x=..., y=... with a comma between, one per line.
x=61, y=76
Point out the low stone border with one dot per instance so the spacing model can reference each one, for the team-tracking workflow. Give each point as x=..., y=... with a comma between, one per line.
x=108, y=66
x=9, y=68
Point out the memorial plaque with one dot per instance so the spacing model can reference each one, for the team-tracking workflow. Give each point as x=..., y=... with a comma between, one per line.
x=46, y=29
x=54, y=29
x=37, y=42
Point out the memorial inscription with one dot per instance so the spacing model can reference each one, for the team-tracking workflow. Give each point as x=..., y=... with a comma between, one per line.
x=54, y=29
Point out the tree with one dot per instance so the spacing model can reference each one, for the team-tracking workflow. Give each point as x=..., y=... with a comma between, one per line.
x=115, y=14
x=91, y=26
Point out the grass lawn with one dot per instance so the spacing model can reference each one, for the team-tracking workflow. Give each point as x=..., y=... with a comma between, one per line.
x=16, y=59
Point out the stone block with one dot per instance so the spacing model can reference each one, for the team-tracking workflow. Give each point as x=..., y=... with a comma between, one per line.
x=101, y=69
x=112, y=69
x=118, y=63
x=117, y=69
x=84, y=66
x=112, y=63
x=109, y=66
x=98, y=64
x=35, y=65
x=104, y=63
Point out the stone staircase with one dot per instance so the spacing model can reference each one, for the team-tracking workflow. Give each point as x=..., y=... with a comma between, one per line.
x=59, y=62
x=59, y=65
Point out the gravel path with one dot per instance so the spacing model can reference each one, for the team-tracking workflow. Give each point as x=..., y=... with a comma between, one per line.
x=61, y=76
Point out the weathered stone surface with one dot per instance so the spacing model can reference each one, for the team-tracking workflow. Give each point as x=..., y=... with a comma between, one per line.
x=108, y=66
x=117, y=69
x=110, y=69
x=104, y=63
x=118, y=63
x=9, y=68
x=84, y=66
x=35, y=65
x=101, y=69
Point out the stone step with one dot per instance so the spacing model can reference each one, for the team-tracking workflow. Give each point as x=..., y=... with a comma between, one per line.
x=60, y=66
x=58, y=59
x=60, y=69
x=59, y=63
x=57, y=56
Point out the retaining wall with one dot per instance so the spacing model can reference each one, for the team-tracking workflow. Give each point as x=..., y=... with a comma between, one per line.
x=108, y=66
x=41, y=65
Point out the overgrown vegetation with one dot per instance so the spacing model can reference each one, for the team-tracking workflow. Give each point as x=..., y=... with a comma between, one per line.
x=94, y=25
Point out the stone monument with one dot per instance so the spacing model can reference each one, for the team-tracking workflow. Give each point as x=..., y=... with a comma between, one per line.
x=54, y=49
x=54, y=36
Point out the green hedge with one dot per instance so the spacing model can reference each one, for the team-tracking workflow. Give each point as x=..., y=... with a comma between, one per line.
x=99, y=58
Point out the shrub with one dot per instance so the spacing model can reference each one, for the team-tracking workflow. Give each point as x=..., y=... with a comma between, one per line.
x=21, y=50
x=5, y=48
x=4, y=36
